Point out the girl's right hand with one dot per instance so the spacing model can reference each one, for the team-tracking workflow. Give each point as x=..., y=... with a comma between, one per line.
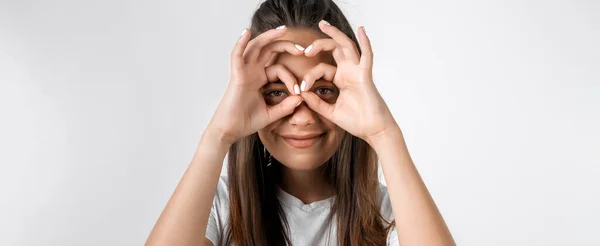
x=243, y=110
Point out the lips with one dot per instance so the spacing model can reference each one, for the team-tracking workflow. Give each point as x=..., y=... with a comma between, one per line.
x=302, y=141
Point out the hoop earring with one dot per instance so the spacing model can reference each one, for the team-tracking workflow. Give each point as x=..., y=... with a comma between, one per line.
x=269, y=158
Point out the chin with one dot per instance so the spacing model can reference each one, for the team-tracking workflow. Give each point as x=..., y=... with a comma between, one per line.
x=301, y=161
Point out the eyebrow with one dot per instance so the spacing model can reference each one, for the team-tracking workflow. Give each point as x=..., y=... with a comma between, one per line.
x=274, y=83
x=322, y=80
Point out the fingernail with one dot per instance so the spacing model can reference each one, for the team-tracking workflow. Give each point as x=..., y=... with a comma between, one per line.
x=300, y=102
x=244, y=31
x=325, y=22
x=364, y=30
x=299, y=47
x=296, y=89
x=303, y=86
x=280, y=27
x=308, y=49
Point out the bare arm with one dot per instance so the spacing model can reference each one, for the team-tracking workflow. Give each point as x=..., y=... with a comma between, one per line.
x=241, y=112
x=360, y=110
x=419, y=220
x=184, y=219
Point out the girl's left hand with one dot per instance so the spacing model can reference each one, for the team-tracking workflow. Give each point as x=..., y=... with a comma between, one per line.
x=359, y=108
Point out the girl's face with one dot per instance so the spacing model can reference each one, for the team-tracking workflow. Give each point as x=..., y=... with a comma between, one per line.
x=303, y=140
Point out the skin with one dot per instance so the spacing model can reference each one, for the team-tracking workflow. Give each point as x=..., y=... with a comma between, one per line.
x=358, y=109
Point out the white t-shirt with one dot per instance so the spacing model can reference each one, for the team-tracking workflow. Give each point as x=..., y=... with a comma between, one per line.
x=308, y=223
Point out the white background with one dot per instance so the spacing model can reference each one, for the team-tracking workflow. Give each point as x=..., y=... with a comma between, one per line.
x=102, y=104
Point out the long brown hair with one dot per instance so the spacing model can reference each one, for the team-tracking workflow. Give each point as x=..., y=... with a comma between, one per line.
x=256, y=216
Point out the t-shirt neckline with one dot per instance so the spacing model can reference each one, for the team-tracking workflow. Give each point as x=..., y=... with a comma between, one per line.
x=291, y=200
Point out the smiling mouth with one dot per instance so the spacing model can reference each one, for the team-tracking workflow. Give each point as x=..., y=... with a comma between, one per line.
x=302, y=142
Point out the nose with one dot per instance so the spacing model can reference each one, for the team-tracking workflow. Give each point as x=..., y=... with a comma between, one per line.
x=302, y=116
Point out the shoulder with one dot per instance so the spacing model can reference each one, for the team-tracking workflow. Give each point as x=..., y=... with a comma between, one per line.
x=385, y=209
x=385, y=205
x=219, y=213
x=221, y=199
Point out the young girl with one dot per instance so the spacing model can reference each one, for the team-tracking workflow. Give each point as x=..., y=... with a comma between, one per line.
x=304, y=126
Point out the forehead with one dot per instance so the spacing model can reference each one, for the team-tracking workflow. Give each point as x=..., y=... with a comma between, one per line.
x=299, y=65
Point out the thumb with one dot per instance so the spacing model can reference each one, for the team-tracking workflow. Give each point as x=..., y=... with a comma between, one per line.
x=283, y=108
x=315, y=103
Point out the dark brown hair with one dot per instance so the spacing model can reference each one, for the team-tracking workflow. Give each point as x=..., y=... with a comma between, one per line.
x=256, y=217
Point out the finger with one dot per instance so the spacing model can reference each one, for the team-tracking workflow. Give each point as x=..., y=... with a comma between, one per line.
x=283, y=108
x=272, y=60
x=325, y=44
x=347, y=45
x=323, y=70
x=315, y=103
x=279, y=47
x=237, y=59
x=255, y=45
x=366, y=58
x=279, y=72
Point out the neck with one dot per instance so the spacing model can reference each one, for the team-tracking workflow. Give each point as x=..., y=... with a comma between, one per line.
x=307, y=185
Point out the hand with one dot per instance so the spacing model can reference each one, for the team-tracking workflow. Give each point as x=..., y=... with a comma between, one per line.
x=359, y=108
x=242, y=110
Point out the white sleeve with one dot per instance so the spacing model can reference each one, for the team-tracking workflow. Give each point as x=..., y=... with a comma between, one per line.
x=218, y=214
x=392, y=239
x=387, y=212
x=213, y=230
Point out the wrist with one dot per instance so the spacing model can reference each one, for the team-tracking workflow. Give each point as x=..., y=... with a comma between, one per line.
x=389, y=136
x=216, y=139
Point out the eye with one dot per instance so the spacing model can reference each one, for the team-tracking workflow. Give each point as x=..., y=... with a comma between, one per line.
x=274, y=96
x=274, y=93
x=324, y=91
x=328, y=93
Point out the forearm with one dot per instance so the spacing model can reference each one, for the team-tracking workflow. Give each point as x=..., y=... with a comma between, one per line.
x=184, y=219
x=419, y=221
